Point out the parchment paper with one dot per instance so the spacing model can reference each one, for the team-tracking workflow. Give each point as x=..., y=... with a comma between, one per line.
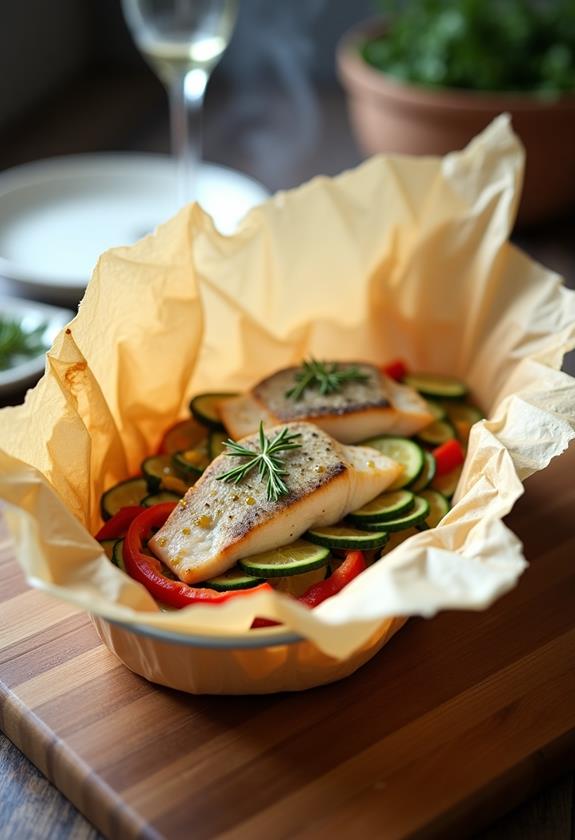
x=400, y=258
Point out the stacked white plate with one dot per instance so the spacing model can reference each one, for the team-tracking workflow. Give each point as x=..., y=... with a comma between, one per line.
x=57, y=216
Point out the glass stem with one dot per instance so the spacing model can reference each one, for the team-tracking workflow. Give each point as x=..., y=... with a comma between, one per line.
x=186, y=100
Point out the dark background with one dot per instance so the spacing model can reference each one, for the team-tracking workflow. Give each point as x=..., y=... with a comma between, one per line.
x=263, y=114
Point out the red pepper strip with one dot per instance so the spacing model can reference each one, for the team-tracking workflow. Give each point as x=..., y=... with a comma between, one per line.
x=264, y=622
x=351, y=567
x=148, y=570
x=448, y=456
x=395, y=370
x=117, y=526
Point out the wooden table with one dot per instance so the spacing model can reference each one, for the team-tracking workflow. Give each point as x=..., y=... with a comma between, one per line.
x=29, y=806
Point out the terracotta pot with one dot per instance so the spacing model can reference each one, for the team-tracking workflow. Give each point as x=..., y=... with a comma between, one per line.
x=394, y=117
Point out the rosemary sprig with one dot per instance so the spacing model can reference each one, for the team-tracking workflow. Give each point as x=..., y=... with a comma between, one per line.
x=327, y=377
x=16, y=342
x=270, y=466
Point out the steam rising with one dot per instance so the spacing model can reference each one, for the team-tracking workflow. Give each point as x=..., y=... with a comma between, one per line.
x=273, y=114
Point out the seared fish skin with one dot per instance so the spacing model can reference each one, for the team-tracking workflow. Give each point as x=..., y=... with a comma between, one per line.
x=218, y=523
x=360, y=410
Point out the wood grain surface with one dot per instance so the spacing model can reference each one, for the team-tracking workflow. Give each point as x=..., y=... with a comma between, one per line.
x=454, y=722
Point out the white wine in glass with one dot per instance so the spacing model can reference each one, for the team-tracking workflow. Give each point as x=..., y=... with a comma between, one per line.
x=183, y=40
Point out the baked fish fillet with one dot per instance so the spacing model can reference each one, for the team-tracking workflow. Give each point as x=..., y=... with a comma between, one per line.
x=217, y=523
x=360, y=410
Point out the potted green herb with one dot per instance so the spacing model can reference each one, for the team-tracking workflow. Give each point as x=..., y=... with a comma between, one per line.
x=433, y=73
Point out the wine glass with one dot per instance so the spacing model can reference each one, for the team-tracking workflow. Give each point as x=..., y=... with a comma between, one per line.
x=183, y=41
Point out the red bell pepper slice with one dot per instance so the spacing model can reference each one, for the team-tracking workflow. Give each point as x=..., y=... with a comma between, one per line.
x=148, y=570
x=397, y=369
x=117, y=526
x=351, y=567
x=448, y=456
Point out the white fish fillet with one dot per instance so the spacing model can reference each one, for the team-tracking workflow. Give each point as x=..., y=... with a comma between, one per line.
x=359, y=411
x=217, y=523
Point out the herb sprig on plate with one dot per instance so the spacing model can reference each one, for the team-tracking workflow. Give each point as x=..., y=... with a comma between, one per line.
x=267, y=461
x=326, y=377
x=17, y=343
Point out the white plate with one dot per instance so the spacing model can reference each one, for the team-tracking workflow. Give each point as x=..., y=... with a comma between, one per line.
x=30, y=315
x=57, y=216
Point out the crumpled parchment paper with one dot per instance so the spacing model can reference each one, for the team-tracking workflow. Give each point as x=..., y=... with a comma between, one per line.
x=402, y=257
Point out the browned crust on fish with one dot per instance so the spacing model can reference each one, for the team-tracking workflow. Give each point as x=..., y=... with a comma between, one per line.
x=354, y=397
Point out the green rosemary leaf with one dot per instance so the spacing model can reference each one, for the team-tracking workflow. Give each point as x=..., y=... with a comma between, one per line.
x=269, y=464
x=327, y=377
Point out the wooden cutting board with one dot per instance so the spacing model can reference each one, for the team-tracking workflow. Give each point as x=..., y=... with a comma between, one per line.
x=454, y=722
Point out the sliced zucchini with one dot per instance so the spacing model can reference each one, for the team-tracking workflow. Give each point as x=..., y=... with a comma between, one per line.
x=436, y=409
x=108, y=547
x=118, y=555
x=403, y=450
x=161, y=475
x=447, y=484
x=204, y=408
x=343, y=536
x=159, y=498
x=186, y=434
x=463, y=417
x=190, y=463
x=130, y=492
x=216, y=444
x=296, y=585
x=384, y=506
x=436, y=433
x=397, y=538
x=436, y=386
x=425, y=476
x=438, y=507
x=417, y=514
x=235, y=578
x=294, y=559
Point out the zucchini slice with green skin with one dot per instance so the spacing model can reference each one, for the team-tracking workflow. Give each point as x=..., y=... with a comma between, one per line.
x=118, y=555
x=447, y=484
x=204, y=409
x=425, y=476
x=294, y=559
x=403, y=450
x=434, y=385
x=108, y=548
x=344, y=536
x=235, y=578
x=418, y=513
x=161, y=475
x=217, y=444
x=436, y=433
x=463, y=417
x=190, y=463
x=129, y=492
x=438, y=507
x=435, y=408
x=160, y=498
x=385, y=506
x=463, y=411
x=397, y=538
x=186, y=434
